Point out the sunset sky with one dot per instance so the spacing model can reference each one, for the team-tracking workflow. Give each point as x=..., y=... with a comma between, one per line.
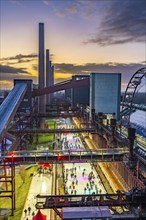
x=83, y=36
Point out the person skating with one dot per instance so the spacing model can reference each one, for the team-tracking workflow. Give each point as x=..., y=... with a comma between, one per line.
x=25, y=211
x=29, y=209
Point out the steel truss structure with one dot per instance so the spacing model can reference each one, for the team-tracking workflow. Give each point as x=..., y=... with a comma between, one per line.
x=8, y=192
x=133, y=199
x=127, y=103
x=67, y=156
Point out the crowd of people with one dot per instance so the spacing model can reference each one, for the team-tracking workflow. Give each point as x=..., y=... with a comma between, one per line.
x=73, y=143
x=80, y=179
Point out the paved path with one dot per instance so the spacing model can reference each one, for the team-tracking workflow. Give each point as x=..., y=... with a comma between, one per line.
x=41, y=183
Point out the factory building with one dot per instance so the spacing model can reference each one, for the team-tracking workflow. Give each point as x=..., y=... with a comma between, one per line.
x=78, y=95
x=105, y=91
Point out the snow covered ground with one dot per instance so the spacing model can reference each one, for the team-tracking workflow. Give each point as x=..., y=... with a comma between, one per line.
x=82, y=179
x=79, y=178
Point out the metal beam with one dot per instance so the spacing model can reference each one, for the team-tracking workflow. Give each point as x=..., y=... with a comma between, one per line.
x=62, y=86
x=118, y=199
x=10, y=105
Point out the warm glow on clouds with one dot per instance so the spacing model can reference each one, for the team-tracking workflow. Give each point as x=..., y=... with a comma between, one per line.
x=63, y=76
x=83, y=36
x=6, y=85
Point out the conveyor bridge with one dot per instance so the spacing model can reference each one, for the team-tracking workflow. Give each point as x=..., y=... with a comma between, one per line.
x=9, y=107
x=67, y=156
x=51, y=131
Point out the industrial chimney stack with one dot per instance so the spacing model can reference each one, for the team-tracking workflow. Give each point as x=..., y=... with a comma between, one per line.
x=48, y=74
x=41, y=67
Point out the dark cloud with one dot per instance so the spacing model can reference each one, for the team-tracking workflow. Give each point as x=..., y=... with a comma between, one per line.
x=9, y=73
x=12, y=70
x=20, y=58
x=127, y=70
x=124, y=21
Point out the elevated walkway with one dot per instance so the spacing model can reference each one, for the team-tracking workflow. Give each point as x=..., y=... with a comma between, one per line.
x=59, y=156
x=48, y=131
x=9, y=107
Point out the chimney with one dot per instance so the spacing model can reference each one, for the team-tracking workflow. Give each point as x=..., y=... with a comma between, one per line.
x=52, y=75
x=48, y=75
x=52, y=80
x=41, y=67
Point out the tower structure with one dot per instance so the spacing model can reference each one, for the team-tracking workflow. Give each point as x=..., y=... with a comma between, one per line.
x=41, y=67
x=49, y=76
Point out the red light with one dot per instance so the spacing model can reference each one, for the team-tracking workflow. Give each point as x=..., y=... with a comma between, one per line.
x=12, y=155
x=60, y=157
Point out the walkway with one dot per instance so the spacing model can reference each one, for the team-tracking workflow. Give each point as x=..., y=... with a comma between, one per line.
x=41, y=184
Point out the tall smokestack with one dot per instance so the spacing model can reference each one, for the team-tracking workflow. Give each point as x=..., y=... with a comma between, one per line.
x=41, y=67
x=48, y=81
x=49, y=76
x=52, y=80
x=52, y=71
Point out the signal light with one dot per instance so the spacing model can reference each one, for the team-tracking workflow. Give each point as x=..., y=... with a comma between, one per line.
x=12, y=155
x=60, y=157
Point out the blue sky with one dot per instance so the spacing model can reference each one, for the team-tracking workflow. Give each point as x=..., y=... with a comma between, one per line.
x=83, y=36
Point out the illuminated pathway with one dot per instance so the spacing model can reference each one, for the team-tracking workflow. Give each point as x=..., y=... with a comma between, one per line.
x=79, y=178
x=41, y=184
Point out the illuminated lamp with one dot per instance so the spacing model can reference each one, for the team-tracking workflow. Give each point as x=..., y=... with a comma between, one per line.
x=62, y=158
x=12, y=155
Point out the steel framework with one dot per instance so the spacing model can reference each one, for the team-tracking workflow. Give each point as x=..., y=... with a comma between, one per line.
x=62, y=86
x=119, y=199
x=67, y=156
x=8, y=192
x=131, y=200
x=130, y=92
x=51, y=131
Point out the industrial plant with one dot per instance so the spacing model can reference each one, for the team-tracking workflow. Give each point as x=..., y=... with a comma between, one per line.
x=74, y=146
